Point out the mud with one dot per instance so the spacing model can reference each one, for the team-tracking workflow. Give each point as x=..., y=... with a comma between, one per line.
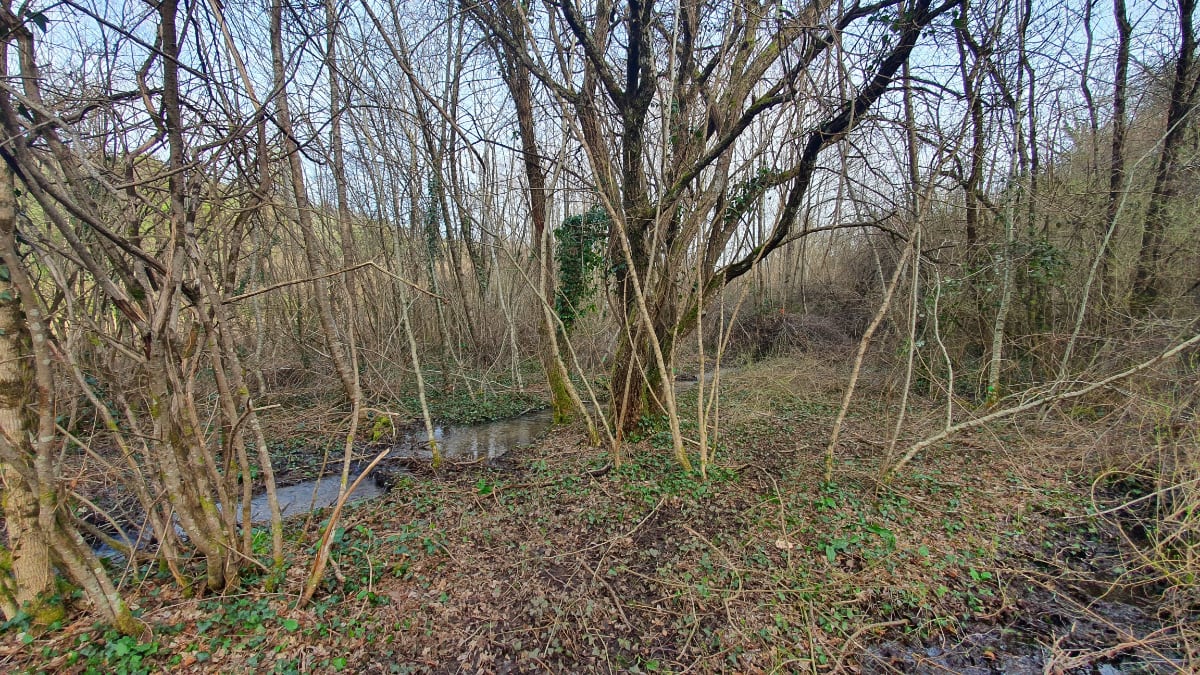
x=1071, y=608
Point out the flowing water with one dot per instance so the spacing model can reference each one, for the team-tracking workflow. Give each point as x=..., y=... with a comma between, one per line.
x=475, y=442
x=456, y=442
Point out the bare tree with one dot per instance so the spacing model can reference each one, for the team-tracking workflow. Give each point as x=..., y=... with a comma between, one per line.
x=679, y=89
x=1116, y=172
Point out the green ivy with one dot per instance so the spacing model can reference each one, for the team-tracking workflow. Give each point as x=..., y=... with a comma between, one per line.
x=745, y=194
x=579, y=252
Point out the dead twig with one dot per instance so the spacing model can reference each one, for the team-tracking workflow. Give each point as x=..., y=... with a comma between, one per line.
x=850, y=641
x=1036, y=402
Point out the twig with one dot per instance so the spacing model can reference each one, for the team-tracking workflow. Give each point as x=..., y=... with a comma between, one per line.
x=863, y=344
x=404, y=281
x=370, y=263
x=618, y=537
x=1125, y=505
x=322, y=556
x=1033, y=403
x=1069, y=664
x=293, y=282
x=859, y=631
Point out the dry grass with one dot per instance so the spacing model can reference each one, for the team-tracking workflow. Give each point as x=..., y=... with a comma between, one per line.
x=982, y=552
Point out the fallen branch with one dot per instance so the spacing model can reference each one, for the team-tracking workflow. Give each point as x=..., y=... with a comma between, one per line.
x=1065, y=664
x=853, y=639
x=322, y=556
x=404, y=281
x=1035, y=402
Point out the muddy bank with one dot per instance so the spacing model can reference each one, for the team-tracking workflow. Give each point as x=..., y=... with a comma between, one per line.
x=1070, y=604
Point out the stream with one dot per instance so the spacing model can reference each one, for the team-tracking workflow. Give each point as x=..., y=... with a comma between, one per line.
x=457, y=443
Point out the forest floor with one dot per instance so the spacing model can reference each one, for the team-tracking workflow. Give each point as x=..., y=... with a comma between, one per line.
x=983, y=556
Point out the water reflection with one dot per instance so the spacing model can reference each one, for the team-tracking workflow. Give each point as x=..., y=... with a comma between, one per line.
x=463, y=443
x=457, y=443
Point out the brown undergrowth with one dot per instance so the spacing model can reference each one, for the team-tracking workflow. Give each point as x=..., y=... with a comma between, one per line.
x=984, y=555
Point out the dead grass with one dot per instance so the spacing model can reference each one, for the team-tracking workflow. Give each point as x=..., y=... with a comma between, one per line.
x=554, y=564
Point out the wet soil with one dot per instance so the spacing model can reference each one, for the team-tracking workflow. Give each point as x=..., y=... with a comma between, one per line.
x=980, y=558
x=1071, y=607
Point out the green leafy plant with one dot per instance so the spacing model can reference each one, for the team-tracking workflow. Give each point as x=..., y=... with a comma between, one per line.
x=579, y=252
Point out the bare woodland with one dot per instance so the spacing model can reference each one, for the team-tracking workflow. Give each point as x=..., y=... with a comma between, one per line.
x=221, y=222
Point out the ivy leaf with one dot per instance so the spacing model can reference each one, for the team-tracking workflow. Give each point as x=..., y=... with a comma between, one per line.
x=883, y=533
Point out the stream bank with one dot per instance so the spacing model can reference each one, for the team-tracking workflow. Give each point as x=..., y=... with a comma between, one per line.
x=983, y=556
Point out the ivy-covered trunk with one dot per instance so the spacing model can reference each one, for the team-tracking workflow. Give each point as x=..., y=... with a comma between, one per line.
x=26, y=571
x=517, y=78
x=26, y=574
x=638, y=386
x=553, y=339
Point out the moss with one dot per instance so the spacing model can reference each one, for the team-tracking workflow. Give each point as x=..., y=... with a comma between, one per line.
x=560, y=398
x=437, y=455
x=381, y=427
x=125, y=622
x=8, y=585
x=14, y=392
x=47, y=612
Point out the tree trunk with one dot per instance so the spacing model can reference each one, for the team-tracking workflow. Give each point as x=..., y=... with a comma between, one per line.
x=26, y=574
x=1147, y=282
x=517, y=79
x=312, y=253
x=1116, y=173
x=39, y=536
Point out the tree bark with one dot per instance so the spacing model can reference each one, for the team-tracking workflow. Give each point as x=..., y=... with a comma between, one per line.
x=1147, y=281
x=517, y=79
x=26, y=572
x=1116, y=172
x=41, y=536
